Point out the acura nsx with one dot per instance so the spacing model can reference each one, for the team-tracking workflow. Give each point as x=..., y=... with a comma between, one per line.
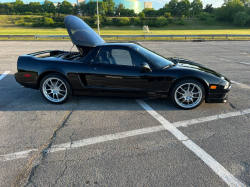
x=117, y=69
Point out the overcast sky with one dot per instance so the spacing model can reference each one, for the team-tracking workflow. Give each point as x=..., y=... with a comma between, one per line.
x=160, y=3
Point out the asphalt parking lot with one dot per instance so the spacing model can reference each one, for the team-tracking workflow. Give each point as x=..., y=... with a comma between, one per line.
x=99, y=141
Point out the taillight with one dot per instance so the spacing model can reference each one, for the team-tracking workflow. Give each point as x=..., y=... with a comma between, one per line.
x=27, y=75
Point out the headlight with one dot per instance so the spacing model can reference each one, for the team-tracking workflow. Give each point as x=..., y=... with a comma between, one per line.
x=226, y=86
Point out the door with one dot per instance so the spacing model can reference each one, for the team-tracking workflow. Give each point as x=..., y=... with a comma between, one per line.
x=119, y=68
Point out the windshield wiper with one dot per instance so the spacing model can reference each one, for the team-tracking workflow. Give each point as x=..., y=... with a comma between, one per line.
x=168, y=66
x=173, y=60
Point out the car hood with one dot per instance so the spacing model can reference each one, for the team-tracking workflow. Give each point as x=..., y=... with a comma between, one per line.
x=80, y=33
x=192, y=65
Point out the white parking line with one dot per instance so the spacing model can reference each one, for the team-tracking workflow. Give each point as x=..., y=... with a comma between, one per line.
x=246, y=63
x=240, y=84
x=210, y=161
x=210, y=118
x=89, y=141
x=17, y=155
x=4, y=74
x=104, y=138
x=235, y=82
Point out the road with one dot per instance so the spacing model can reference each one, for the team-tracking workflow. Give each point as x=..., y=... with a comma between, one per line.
x=101, y=141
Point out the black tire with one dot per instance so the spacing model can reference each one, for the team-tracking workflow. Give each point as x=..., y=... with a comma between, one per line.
x=191, y=98
x=59, y=87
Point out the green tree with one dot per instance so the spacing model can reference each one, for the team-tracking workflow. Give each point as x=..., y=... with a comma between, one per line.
x=172, y=6
x=204, y=16
x=48, y=22
x=183, y=8
x=124, y=21
x=244, y=2
x=18, y=6
x=241, y=18
x=162, y=11
x=35, y=7
x=209, y=9
x=161, y=21
x=119, y=8
x=102, y=6
x=131, y=13
x=110, y=4
x=83, y=8
x=141, y=15
x=149, y=12
x=66, y=7
x=76, y=9
x=89, y=8
x=58, y=7
x=197, y=7
x=167, y=14
x=228, y=10
x=127, y=12
x=6, y=8
x=49, y=7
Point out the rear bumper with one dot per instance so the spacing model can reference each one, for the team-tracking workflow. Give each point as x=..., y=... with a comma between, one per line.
x=217, y=98
x=19, y=78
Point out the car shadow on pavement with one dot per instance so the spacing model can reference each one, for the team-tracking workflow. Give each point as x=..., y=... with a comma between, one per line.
x=16, y=98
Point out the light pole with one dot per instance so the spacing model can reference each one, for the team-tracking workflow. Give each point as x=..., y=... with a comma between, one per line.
x=58, y=9
x=97, y=17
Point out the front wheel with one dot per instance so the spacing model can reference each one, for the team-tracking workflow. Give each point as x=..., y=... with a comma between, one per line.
x=55, y=89
x=187, y=94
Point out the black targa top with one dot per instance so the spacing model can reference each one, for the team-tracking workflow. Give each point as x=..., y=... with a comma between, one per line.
x=80, y=33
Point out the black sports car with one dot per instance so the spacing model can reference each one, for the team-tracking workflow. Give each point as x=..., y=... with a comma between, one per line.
x=117, y=69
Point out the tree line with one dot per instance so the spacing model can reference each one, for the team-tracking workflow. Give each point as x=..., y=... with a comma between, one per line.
x=237, y=11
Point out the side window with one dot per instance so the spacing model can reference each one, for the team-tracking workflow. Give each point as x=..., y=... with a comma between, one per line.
x=122, y=57
x=114, y=56
x=119, y=56
x=137, y=59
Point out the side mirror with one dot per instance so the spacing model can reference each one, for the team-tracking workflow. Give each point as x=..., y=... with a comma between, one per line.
x=145, y=67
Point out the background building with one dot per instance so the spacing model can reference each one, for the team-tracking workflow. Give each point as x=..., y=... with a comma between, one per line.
x=148, y=5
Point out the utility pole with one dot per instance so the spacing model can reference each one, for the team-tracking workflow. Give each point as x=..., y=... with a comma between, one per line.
x=97, y=17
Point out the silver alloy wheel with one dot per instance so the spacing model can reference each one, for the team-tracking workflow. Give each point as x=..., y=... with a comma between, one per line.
x=54, y=89
x=188, y=95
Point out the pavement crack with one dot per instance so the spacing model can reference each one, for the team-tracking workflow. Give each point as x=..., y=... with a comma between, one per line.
x=65, y=168
x=24, y=177
x=231, y=105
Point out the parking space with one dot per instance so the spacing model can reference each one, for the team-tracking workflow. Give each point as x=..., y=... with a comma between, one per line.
x=99, y=141
x=155, y=159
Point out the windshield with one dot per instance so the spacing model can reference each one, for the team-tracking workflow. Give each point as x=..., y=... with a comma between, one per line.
x=158, y=60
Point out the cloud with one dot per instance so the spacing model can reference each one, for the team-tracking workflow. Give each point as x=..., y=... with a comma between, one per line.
x=216, y=3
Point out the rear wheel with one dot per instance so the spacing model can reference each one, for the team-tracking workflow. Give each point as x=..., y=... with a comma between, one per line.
x=187, y=94
x=55, y=89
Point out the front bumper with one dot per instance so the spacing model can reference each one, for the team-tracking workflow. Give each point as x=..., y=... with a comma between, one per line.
x=217, y=98
x=220, y=94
